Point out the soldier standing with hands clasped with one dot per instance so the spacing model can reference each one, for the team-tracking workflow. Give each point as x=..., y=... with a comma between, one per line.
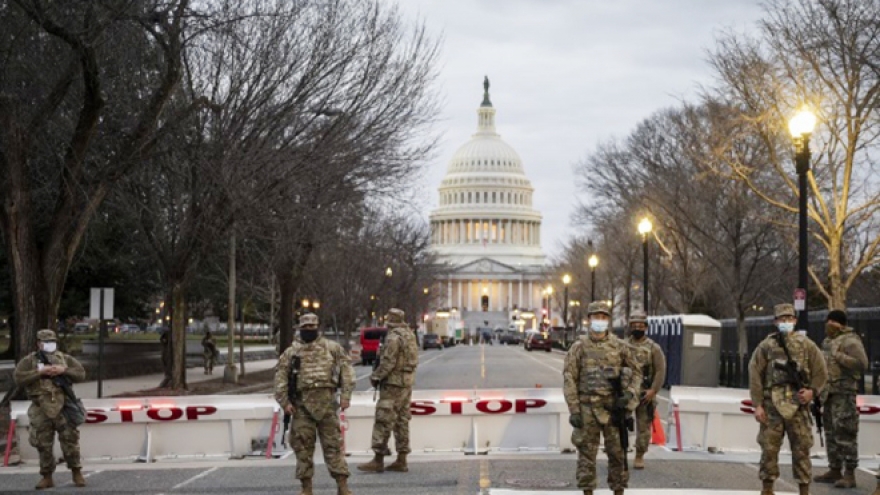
x=320, y=367
x=394, y=378
x=785, y=373
x=846, y=360
x=601, y=379
x=38, y=374
x=652, y=364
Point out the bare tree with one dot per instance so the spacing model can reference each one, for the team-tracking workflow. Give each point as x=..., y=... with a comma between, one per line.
x=822, y=54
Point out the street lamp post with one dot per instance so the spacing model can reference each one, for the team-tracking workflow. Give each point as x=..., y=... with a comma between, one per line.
x=549, y=305
x=593, y=262
x=801, y=127
x=566, y=279
x=645, y=228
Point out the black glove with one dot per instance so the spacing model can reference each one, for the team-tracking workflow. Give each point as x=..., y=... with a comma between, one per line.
x=374, y=383
x=623, y=401
x=576, y=420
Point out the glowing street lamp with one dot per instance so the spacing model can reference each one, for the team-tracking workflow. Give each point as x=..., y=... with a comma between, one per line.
x=645, y=228
x=593, y=262
x=566, y=279
x=801, y=127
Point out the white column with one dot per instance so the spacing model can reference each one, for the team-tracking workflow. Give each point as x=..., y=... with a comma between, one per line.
x=509, y=295
x=459, y=295
x=470, y=286
x=460, y=231
x=449, y=293
x=531, y=296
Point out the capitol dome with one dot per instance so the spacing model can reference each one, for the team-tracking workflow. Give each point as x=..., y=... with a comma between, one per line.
x=485, y=202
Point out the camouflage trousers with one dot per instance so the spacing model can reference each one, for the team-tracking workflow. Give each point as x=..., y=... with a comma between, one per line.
x=42, y=438
x=800, y=438
x=392, y=416
x=586, y=439
x=315, y=420
x=841, y=421
x=644, y=424
x=209, y=360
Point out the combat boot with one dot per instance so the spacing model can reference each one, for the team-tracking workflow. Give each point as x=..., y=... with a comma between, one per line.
x=588, y=492
x=342, y=487
x=639, y=461
x=306, y=486
x=830, y=476
x=46, y=482
x=848, y=480
x=877, y=490
x=377, y=465
x=399, y=465
x=804, y=489
x=618, y=492
x=768, y=488
x=78, y=479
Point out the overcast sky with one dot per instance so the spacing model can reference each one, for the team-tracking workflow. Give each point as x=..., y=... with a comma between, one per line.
x=566, y=75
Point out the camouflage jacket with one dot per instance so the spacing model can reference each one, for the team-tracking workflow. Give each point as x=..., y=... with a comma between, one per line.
x=768, y=379
x=41, y=389
x=399, y=358
x=846, y=361
x=590, y=365
x=651, y=363
x=323, y=366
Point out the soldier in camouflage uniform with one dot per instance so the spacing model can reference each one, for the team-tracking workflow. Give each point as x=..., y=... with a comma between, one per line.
x=652, y=364
x=394, y=378
x=323, y=368
x=846, y=360
x=209, y=351
x=781, y=406
x=47, y=400
x=591, y=364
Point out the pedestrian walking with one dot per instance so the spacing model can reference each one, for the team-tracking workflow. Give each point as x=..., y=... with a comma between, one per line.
x=846, y=362
x=165, y=343
x=652, y=363
x=394, y=378
x=785, y=372
x=308, y=376
x=601, y=378
x=209, y=351
x=46, y=376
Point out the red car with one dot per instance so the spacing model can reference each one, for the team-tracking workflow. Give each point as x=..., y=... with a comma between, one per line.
x=539, y=341
x=371, y=337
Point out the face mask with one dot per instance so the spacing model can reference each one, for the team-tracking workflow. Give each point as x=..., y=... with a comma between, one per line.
x=832, y=330
x=308, y=335
x=599, y=326
x=785, y=327
x=638, y=334
x=50, y=347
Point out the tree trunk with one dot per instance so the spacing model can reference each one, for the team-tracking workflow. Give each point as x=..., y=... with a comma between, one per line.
x=742, y=337
x=178, y=337
x=229, y=373
x=285, y=318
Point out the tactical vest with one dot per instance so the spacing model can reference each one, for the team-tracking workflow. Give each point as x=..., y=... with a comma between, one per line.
x=840, y=380
x=409, y=359
x=43, y=392
x=318, y=367
x=776, y=375
x=600, y=362
x=643, y=353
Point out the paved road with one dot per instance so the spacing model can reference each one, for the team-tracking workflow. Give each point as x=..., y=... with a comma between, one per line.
x=462, y=367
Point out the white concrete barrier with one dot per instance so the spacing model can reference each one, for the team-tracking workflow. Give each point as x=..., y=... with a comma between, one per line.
x=722, y=419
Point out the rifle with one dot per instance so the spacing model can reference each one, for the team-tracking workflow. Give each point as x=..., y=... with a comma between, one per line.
x=73, y=410
x=621, y=419
x=292, y=378
x=647, y=383
x=798, y=378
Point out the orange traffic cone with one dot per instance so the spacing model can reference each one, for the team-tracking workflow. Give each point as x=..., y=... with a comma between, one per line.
x=658, y=436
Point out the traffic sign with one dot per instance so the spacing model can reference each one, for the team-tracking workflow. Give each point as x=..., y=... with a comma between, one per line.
x=800, y=299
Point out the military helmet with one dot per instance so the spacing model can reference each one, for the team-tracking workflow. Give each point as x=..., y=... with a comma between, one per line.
x=598, y=307
x=638, y=316
x=784, y=309
x=395, y=316
x=308, y=320
x=46, y=334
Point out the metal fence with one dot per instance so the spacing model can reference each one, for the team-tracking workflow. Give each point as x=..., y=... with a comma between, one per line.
x=734, y=366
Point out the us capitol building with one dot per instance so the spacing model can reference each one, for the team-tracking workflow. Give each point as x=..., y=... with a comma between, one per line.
x=487, y=236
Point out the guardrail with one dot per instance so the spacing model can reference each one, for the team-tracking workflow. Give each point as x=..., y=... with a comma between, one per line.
x=722, y=419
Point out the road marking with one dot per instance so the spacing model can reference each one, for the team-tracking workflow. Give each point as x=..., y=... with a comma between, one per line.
x=196, y=477
x=558, y=370
x=485, y=480
x=365, y=375
x=88, y=475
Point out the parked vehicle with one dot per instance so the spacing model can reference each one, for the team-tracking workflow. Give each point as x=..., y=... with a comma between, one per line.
x=511, y=338
x=432, y=341
x=539, y=341
x=129, y=328
x=82, y=327
x=371, y=337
